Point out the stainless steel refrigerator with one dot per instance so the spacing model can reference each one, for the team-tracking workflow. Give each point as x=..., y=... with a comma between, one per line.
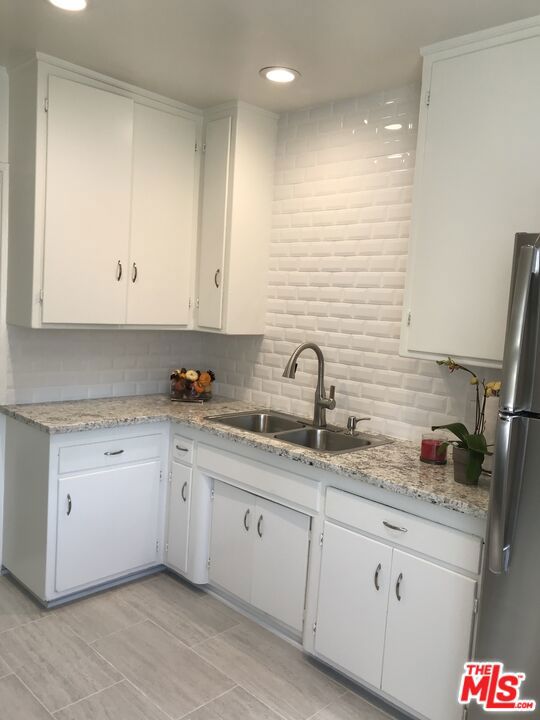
x=509, y=617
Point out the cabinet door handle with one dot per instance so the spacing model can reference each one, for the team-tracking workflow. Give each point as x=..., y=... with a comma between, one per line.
x=376, y=577
x=216, y=278
x=394, y=527
x=259, y=526
x=181, y=449
x=134, y=272
x=246, y=516
x=113, y=452
x=398, y=586
x=119, y=271
x=183, y=491
x=69, y=504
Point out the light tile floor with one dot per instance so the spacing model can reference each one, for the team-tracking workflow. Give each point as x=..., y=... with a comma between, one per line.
x=157, y=649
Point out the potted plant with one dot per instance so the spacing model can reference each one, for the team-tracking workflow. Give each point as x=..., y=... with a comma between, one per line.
x=470, y=448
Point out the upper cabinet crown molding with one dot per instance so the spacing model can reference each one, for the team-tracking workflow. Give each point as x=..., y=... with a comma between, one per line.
x=476, y=185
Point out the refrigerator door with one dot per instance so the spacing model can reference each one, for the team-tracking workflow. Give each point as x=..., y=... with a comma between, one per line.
x=509, y=617
x=520, y=388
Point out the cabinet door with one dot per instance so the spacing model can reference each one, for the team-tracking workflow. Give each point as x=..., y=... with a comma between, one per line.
x=162, y=218
x=88, y=196
x=214, y=222
x=281, y=543
x=107, y=523
x=178, y=522
x=428, y=636
x=231, y=544
x=477, y=185
x=353, y=601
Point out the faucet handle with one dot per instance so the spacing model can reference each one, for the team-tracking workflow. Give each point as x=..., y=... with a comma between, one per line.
x=332, y=397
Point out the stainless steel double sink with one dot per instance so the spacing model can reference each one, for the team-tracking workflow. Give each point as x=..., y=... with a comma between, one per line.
x=298, y=432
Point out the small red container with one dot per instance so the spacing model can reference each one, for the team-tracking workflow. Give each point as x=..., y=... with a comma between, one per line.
x=433, y=450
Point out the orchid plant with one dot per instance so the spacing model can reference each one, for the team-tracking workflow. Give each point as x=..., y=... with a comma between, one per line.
x=474, y=442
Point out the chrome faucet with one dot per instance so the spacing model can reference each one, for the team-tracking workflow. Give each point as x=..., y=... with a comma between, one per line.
x=321, y=403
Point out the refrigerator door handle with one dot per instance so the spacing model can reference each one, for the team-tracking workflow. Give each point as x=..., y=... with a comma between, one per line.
x=505, y=491
x=512, y=386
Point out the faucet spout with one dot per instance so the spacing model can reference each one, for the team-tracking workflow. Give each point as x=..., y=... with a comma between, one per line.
x=321, y=402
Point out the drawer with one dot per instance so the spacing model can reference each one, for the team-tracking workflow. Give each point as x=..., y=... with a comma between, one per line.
x=182, y=449
x=117, y=451
x=409, y=531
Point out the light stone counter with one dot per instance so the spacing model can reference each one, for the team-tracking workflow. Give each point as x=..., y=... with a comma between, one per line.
x=395, y=466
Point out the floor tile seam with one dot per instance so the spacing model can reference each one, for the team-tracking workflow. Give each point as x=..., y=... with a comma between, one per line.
x=32, y=693
x=86, y=697
x=205, y=704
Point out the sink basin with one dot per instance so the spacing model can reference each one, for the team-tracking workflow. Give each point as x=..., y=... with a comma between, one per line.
x=328, y=441
x=259, y=422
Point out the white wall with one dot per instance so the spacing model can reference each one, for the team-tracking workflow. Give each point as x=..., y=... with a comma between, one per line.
x=338, y=259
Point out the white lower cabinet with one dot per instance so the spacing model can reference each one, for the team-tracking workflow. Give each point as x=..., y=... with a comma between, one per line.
x=259, y=553
x=178, y=519
x=353, y=602
x=398, y=622
x=107, y=523
x=428, y=635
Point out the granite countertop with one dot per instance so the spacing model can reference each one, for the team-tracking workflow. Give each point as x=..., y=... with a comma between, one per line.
x=393, y=466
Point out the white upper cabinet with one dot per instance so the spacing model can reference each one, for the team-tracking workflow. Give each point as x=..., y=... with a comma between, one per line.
x=103, y=197
x=476, y=185
x=236, y=219
x=162, y=218
x=87, y=206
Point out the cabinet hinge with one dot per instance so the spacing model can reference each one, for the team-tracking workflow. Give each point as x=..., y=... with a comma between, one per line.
x=212, y=493
x=428, y=98
x=321, y=539
x=208, y=564
x=409, y=317
x=170, y=476
x=314, y=627
x=41, y=297
x=197, y=303
x=189, y=303
x=166, y=547
x=161, y=474
x=475, y=606
x=196, y=147
x=46, y=104
x=157, y=546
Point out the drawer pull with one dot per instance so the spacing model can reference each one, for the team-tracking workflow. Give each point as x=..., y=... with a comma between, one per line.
x=183, y=491
x=69, y=504
x=398, y=586
x=113, y=452
x=182, y=449
x=376, y=578
x=134, y=272
x=119, y=271
x=259, y=526
x=394, y=527
x=246, y=516
x=216, y=278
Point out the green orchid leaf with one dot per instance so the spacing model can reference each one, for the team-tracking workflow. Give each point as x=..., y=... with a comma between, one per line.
x=474, y=465
x=459, y=430
x=477, y=443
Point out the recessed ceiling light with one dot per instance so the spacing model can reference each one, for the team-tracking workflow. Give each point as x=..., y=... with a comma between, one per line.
x=393, y=126
x=279, y=74
x=72, y=5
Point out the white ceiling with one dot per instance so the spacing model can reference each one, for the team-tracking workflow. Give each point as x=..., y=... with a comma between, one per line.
x=208, y=51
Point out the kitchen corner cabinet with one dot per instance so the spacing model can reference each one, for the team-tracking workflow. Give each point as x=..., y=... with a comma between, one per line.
x=401, y=623
x=237, y=188
x=103, y=201
x=82, y=509
x=476, y=185
x=253, y=542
